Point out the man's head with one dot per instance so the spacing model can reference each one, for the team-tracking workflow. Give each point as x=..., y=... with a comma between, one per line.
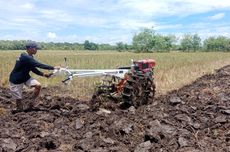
x=32, y=47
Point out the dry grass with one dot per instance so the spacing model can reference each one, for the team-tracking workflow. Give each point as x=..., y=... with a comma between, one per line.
x=173, y=70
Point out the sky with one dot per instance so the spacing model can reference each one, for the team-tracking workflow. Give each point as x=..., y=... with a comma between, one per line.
x=110, y=21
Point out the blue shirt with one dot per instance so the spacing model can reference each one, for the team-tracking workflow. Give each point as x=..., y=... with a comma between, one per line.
x=24, y=64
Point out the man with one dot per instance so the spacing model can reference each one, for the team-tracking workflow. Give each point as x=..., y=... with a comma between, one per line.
x=20, y=75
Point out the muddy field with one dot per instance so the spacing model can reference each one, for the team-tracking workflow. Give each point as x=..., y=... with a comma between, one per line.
x=192, y=119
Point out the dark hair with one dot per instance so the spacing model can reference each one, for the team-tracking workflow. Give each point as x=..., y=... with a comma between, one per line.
x=31, y=44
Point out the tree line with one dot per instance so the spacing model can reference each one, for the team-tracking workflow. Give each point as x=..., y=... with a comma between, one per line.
x=147, y=40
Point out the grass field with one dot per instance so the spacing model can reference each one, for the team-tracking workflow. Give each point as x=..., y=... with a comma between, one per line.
x=173, y=70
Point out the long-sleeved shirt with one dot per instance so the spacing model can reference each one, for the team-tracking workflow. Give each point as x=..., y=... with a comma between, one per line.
x=24, y=64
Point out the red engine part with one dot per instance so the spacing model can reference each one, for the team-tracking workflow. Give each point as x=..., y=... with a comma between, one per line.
x=144, y=65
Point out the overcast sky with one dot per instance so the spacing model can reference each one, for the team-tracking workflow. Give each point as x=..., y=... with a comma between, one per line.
x=110, y=21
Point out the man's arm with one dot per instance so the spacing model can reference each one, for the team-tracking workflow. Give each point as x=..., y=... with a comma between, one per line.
x=36, y=71
x=33, y=63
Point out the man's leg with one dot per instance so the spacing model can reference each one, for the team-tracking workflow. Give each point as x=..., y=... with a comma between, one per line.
x=37, y=89
x=16, y=91
x=33, y=83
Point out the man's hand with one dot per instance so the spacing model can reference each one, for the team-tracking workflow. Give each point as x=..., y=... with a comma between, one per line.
x=47, y=75
x=57, y=67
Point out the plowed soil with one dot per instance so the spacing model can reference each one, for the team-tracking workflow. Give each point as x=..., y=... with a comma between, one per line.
x=192, y=119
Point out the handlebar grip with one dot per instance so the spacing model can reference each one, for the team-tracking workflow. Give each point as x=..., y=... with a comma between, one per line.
x=67, y=79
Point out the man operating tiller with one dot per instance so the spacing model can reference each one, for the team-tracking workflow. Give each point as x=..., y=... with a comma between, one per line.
x=20, y=75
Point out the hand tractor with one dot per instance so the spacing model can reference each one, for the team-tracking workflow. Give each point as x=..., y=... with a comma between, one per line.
x=131, y=86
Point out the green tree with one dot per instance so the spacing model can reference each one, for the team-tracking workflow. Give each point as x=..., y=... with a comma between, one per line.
x=191, y=42
x=164, y=43
x=144, y=41
x=187, y=42
x=220, y=43
x=90, y=46
x=121, y=46
x=87, y=45
x=196, y=42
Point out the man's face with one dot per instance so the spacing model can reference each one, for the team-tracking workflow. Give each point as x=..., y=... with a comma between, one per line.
x=33, y=51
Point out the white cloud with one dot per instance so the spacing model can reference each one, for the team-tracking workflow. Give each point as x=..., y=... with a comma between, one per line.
x=56, y=15
x=107, y=21
x=135, y=24
x=168, y=26
x=51, y=35
x=27, y=6
x=175, y=7
x=217, y=16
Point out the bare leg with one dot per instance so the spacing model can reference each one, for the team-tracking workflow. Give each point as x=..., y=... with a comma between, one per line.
x=37, y=89
x=36, y=92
